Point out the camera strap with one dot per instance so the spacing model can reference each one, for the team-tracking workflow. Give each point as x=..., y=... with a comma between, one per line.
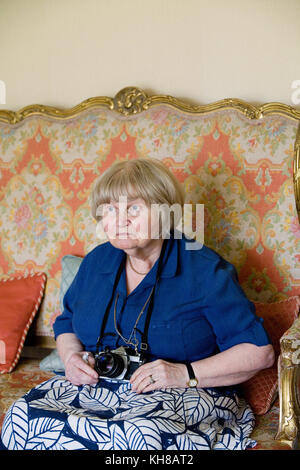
x=144, y=336
x=105, y=318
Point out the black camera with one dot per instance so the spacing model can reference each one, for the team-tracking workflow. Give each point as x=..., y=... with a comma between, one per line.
x=119, y=363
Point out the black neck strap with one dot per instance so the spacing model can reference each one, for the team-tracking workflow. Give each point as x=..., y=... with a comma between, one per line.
x=144, y=336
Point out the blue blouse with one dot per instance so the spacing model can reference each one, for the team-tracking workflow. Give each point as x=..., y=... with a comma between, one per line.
x=199, y=307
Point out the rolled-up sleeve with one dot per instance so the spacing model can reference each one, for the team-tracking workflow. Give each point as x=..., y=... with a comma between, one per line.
x=229, y=312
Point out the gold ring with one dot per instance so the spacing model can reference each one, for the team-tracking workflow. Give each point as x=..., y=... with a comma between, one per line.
x=152, y=381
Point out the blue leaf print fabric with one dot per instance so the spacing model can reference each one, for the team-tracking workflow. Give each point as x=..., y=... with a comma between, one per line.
x=57, y=415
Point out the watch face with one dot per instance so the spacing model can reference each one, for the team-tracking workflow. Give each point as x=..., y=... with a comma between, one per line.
x=193, y=383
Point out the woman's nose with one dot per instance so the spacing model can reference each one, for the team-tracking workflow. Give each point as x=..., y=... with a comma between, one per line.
x=123, y=218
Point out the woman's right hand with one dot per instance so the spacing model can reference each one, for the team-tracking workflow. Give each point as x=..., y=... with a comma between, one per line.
x=79, y=372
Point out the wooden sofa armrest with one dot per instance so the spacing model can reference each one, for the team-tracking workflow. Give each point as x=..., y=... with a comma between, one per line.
x=288, y=385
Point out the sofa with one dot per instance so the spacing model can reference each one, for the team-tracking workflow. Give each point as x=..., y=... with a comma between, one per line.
x=240, y=161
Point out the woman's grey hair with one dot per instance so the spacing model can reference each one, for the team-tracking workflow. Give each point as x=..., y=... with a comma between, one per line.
x=145, y=178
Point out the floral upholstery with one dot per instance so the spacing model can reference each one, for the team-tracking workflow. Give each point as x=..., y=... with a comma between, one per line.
x=241, y=169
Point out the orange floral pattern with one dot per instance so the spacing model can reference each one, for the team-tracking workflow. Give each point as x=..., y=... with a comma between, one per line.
x=240, y=169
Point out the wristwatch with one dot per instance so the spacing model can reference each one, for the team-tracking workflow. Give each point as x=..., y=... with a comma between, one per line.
x=193, y=382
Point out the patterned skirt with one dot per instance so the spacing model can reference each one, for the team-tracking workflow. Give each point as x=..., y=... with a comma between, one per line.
x=110, y=416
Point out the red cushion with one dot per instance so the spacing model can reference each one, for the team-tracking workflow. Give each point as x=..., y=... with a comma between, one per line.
x=260, y=391
x=20, y=298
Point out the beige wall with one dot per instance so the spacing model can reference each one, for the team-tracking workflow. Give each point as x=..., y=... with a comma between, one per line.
x=60, y=52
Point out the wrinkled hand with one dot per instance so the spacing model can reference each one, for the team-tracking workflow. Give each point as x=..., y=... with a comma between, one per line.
x=79, y=372
x=165, y=375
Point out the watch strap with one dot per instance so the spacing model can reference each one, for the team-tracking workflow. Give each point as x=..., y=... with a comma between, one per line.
x=190, y=371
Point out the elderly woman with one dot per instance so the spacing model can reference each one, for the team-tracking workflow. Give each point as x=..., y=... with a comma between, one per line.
x=154, y=337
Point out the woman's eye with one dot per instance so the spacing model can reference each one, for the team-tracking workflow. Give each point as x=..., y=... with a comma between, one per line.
x=110, y=209
x=134, y=210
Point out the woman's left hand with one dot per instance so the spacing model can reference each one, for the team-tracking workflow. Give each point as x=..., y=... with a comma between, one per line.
x=159, y=374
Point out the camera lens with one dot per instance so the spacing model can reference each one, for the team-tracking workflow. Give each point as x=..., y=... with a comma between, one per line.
x=109, y=365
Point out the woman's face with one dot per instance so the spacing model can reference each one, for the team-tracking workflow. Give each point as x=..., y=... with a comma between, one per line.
x=129, y=223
